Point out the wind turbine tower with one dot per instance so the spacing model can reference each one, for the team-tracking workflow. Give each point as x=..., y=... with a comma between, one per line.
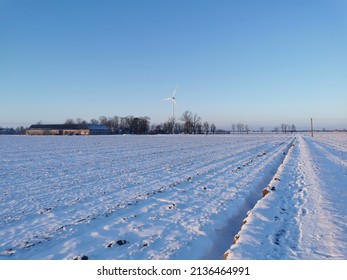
x=173, y=100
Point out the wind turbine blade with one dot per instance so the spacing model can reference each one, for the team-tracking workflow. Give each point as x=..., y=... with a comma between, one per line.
x=169, y=98
x=173, y=95
x=174, y=101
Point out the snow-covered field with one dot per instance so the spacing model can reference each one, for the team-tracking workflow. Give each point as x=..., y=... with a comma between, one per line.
x=173, y=197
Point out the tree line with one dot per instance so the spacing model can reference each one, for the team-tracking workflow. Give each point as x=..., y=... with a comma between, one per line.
x=188, y=123
x=240, y=128
x=285, y=128
x=118, y=125
x=20, y=130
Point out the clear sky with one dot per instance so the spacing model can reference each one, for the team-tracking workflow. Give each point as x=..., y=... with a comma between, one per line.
x=257, y=62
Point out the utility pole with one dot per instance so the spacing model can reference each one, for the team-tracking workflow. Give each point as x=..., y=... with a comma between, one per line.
x=311, y=127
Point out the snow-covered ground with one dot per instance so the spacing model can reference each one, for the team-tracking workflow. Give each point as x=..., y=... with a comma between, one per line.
x=304, y=216
x=173, y=197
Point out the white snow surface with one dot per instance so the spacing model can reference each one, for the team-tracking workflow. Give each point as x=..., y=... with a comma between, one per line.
x=305, y=215
x=173, y=197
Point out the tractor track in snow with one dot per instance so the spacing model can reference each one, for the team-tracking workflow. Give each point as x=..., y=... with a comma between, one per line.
x=300, y=218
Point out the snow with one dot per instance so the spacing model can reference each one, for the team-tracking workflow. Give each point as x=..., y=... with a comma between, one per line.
x=173, y=197
x=305, y=216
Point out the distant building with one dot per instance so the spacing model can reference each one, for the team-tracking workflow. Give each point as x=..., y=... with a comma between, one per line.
x=68, y=129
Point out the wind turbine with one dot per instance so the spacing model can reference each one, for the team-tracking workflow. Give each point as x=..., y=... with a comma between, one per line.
x=173, y=100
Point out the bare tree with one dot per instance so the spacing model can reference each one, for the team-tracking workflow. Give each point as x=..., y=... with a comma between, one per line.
x=178, y=128
x=80, y=121
x=247, y=128
x=124, y=124
x=240, y=127
x=140, y=125
x=199, y=128
x=94, y=121
x=113, y=124
x=233, y=127
x=284, y=128
x=169, y=126
x=130, y=123
x=261, y=129
x=187, y=118
x=196, y=123
x=292, y=128
x=213, y=128
x=103, y=120
x=206, y=127
x=20, y=130
x=69, y=121
x=157, y=128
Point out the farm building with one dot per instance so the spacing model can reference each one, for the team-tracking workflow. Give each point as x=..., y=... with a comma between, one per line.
x=68, y=129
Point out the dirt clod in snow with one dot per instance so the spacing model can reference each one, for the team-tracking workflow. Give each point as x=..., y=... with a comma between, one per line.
x=236, y=237
x=121, y=242
x=265, y=192
x=118, y=242
x=83, y=258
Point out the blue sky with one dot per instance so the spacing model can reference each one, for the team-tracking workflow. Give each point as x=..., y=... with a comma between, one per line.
x=257, y=62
